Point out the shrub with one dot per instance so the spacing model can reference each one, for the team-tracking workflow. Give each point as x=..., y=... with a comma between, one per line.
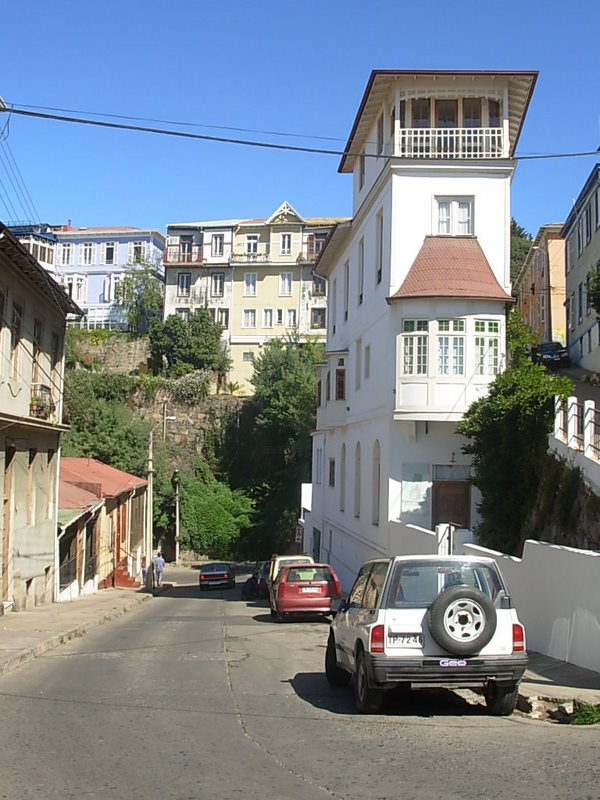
x=192, y=388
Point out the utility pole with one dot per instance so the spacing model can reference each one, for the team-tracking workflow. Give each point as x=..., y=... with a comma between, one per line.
x=149, y=524
x=175, y=482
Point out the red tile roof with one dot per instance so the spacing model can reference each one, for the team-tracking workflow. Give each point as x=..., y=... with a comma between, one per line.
x=98, y=478
x=451, y=266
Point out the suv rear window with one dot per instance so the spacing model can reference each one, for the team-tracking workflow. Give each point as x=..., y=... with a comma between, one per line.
x=417, y=583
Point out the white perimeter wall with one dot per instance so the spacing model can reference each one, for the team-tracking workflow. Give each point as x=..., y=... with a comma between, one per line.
x=555, y=592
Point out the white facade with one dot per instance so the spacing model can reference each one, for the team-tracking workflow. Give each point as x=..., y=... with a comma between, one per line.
x=581, y=232
x=419, y=283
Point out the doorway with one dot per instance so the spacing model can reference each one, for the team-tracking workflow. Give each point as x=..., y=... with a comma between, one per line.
x=451, y=502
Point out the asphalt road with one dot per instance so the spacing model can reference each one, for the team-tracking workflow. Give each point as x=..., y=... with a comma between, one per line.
x=198, y=696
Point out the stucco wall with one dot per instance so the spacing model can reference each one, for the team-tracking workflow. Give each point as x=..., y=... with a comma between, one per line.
x=555, y=591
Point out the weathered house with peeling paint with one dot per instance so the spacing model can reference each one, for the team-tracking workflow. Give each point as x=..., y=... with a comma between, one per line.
x=33, y=310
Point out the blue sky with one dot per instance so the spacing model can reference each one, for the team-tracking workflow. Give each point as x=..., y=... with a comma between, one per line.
x=295, y=68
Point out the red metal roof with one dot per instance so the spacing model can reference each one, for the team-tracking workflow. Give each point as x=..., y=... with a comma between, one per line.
x=71, y=496
x=451, y=266
x=98, y=478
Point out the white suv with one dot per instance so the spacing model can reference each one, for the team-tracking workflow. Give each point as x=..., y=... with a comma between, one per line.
x=428, y=621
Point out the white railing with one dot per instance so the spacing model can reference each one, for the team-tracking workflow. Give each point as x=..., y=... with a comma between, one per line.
x=448, y=143
x=576, y=437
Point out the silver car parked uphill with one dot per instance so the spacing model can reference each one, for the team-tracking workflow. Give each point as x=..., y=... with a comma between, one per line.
x=442, y=621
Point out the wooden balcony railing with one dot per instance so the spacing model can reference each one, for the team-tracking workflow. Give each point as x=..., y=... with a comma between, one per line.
x=175, y=254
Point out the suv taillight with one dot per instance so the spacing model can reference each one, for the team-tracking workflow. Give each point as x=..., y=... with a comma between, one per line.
x=518, y=638
x=376, y=644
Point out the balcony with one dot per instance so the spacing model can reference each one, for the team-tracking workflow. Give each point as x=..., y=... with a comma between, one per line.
x=176, y=254
x=449, y=143
x=242, y=257
x=41, y=405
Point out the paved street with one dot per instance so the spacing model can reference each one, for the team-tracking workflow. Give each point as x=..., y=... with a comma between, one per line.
x=191, y=696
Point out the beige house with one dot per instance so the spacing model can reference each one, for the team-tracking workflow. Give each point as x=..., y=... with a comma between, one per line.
x=540, y=286
x=33, y=309
x=255, y=276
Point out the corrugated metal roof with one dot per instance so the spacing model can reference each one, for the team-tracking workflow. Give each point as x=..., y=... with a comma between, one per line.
x=98, y=478
x=451, y=266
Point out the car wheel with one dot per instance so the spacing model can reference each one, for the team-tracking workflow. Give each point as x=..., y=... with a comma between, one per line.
x=501, y=701
x=336, y=676
x=367, y=699
x=462, y=620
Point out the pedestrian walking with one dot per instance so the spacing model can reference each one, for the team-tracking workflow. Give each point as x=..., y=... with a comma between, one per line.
x=159, y=566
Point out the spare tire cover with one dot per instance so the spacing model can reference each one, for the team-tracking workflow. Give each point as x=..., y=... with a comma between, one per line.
x=462, y=620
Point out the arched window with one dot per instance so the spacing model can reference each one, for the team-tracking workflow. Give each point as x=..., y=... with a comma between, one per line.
x=376, y=483
x=357, y=481
x=343, y=479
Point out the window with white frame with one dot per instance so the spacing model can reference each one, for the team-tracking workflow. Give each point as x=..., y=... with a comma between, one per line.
x=184, y=283
x=588, y=294
x=451, y=346
x=487, y=347
x=588, y=222
x=318, y=464
x=346, y=288
x=286, y=244
x=66, y=254
x=87, y=253
x=183, y=313
x=223, y=317
x=249, y=284
x=380, y=135
x=379, y=248
x=109, y=253
x=332, y=472
x=580, y=302
x=455, y=216
x=279, y=316
x=291, y=317
x=343, y=479
x=285, y=284
x=572, y=311
x=361, y=171
x=136, y=252
x=218, y=241
x=249, y=318
x=415, y=343
x=267, y=317
x=361, y=270
x=217, y=284
x=376, y=484
x=543, y=307
x=358, y=364
x=247, y=356
x=252, y=244
x=357, y=480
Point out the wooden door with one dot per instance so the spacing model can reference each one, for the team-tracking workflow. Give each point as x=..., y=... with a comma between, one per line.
x=451, y=503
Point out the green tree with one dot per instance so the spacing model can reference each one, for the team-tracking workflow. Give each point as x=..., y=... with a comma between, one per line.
x=507, y=434
x=268, y=444
x=595, y=289
x=179, y=346
x=520, y=244
x=212, y=516
x=141, y=292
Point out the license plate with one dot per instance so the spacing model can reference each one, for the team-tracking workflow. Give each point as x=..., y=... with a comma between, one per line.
x=405, y=639
x=311, y=589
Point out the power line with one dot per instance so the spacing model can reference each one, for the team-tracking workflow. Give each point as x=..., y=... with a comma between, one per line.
x=186, y=124
x=244, y=142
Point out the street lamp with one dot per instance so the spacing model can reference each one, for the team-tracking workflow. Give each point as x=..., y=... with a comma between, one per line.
x=175, y=480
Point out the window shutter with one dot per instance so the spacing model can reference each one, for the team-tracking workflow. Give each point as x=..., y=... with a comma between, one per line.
x=107, y=297
x=130, y=252
x=103, y=253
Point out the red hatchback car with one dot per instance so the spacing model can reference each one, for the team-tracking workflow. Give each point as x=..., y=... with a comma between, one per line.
x=305, y=589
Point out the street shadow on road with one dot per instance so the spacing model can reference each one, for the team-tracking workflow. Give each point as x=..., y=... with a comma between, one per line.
x=312, y=687
x=192, y=590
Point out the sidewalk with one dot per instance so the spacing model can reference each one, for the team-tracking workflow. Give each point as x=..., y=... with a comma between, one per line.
x=24, y=635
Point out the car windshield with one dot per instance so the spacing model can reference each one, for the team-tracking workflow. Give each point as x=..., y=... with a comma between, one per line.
x=416, y=583
x=308, y=573
x=549, y=347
